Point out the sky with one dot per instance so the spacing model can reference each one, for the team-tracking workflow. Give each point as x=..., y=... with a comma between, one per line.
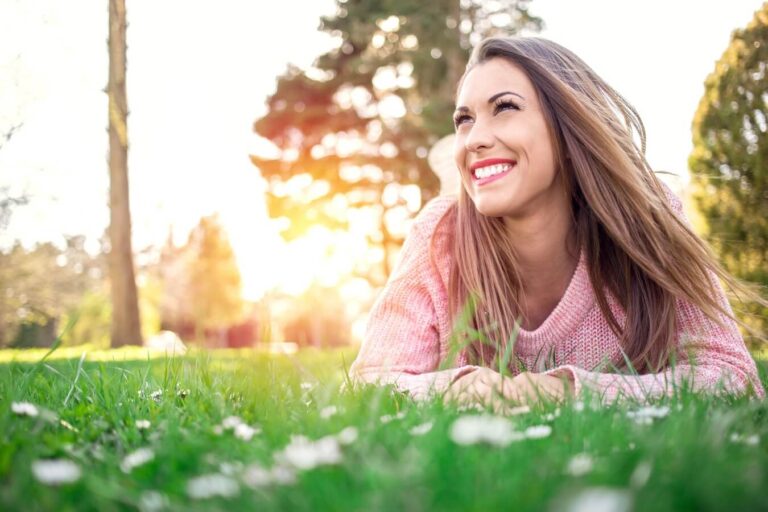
x=199, y=73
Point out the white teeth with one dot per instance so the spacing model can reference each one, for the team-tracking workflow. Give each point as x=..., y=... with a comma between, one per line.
x=484, y=172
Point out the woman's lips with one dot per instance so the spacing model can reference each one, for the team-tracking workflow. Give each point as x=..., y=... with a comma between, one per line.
x=489, y=179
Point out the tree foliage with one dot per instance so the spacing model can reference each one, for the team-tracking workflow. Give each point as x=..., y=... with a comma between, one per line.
x=729, y=163
x=354, y=130
x=201, y=282
x=42, y=285
x=317, y=319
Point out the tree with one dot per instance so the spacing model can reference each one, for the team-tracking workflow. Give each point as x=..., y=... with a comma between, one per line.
x=126, y=327
x=354, y=130
x=41, y=286
x=317, y=319
x=729, y=163
x=201, y=281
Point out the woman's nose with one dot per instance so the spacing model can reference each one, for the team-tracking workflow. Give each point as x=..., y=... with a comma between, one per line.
x=479, y=137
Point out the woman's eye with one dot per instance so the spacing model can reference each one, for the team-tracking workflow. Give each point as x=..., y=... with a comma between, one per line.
x=499, y=106
x=458, y=120
x=505, y=105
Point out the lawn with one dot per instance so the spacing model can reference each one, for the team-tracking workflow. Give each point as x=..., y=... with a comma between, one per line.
x=241, y=430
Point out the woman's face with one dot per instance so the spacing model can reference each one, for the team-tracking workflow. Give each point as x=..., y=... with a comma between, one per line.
x=503, y=148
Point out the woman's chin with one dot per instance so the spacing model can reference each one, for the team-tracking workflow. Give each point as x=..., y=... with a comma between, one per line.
x=488, y=209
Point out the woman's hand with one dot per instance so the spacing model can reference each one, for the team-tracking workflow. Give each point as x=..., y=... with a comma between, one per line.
x=534, y=388
x=480, y=387
x=487, y=387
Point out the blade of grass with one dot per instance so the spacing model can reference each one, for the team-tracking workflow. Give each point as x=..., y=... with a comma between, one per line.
x=74, y=382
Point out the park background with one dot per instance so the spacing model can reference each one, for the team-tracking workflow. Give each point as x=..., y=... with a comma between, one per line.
x=274, y=169
x=274, y=166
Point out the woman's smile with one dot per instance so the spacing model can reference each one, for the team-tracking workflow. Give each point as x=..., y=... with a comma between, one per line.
x=492, y=169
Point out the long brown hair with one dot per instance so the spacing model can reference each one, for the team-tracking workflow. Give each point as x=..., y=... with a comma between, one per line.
x=636, y=247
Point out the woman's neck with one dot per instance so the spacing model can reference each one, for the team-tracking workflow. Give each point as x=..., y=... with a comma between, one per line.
x=546, y=250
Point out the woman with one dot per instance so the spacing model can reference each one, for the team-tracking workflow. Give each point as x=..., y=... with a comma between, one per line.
x=565, y=263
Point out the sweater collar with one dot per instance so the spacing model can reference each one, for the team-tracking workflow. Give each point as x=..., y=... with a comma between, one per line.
x=567, y=315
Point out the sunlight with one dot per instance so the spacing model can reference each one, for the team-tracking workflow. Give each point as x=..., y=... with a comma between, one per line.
x=322, y=256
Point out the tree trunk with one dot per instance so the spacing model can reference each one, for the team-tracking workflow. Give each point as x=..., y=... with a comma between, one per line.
x=126, y=328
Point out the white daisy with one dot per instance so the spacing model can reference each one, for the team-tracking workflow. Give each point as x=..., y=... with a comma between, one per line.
x=646, y=415
x=143, y=424
x=306, y=386
x=246, y=432
x=752, y=440
x=256, y=475
x=420, y=430
x=643, y=420
x=304, y=454
x=156, y=395
x=580, y=465
x=657, y=411
x=538, y=431
x=212, y=485
x=283, y=475
x=327, y=412
x=520, y=409
x=470, y=407
x=56, y=471
x=25, y=409
x=474, y=429
x=600, y=499
x=578, y=406
x=230, y=468
x=153, y=501
x=231, y=422
x=136, y=459
x=640, y=475
x=389, y=417
x=347, y=435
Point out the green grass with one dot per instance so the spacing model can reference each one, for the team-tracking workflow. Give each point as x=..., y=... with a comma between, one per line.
x=694, y=464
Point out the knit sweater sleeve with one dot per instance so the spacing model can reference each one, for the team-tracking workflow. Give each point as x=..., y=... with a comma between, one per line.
x=402, y=341
x=712, y=358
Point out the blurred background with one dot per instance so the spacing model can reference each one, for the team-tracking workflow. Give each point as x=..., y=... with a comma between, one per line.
x=277, y=155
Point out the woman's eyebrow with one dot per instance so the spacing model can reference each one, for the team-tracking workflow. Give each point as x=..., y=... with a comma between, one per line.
x=492, y=99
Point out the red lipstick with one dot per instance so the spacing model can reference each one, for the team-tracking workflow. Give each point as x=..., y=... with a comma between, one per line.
x=490, y=161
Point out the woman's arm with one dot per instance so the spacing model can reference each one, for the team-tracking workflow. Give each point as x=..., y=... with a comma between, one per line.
x=712, y=357
x=402, y=342
x=716, y=361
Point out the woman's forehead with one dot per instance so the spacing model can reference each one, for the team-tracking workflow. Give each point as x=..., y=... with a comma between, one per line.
x=492, y=77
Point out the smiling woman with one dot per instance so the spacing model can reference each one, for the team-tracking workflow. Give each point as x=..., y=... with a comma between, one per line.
x=503, y=145
x=562, y=243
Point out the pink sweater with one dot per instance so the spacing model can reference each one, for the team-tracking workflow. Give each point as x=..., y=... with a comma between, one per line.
x=409, y=330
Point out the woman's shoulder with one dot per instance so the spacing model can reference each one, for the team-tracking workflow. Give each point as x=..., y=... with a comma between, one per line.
x=672, y=198
x=435, y=214
x=431, y=234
